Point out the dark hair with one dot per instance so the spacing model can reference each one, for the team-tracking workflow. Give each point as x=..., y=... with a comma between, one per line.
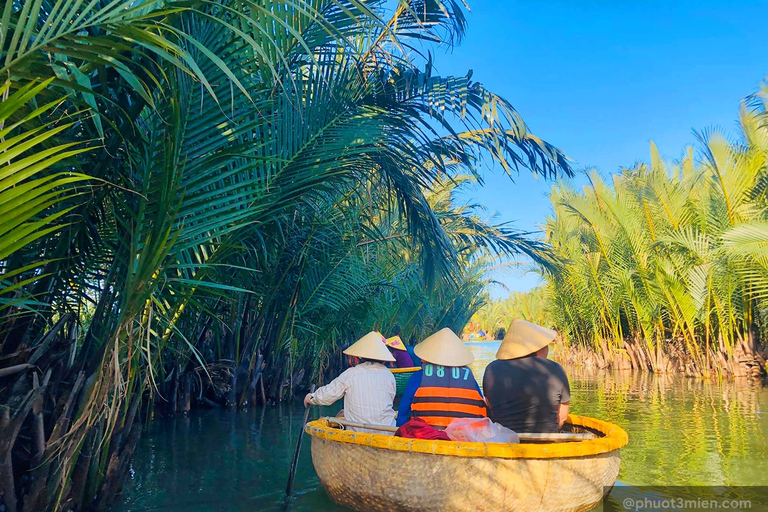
x=361, y=360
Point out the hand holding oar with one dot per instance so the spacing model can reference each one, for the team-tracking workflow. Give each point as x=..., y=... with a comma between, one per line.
x=289, y=487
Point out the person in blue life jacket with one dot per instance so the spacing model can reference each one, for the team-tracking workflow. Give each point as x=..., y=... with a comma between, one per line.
x=445, y=388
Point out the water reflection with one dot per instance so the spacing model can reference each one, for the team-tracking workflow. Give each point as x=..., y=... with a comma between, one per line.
x=682, y=432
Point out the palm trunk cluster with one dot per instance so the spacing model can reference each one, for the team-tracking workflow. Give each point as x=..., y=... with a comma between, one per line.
x=201, y=203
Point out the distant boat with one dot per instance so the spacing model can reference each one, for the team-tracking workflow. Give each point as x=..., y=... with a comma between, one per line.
x=383, y=473
x=402, y=376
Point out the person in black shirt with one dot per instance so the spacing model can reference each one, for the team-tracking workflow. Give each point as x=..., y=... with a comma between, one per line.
x=525, y=391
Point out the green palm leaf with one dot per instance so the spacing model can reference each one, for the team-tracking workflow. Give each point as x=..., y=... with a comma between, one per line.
x=34, y=186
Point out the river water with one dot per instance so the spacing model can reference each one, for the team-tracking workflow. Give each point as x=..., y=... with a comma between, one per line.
x=681, y=432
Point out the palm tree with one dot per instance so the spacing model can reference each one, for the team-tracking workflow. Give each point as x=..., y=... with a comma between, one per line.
x=173, y=169
x=667, y=262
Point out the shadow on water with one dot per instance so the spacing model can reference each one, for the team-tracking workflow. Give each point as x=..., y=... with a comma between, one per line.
x=223, y=461
x=682, y=432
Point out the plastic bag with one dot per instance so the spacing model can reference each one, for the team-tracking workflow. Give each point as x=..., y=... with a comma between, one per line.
x=481, y=430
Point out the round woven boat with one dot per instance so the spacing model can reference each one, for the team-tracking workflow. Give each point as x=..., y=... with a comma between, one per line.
x=374, y=472
x=402, y=376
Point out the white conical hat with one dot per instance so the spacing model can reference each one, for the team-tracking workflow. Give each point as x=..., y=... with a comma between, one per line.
x=524, y=338
x=445, y=349
x=371, y=346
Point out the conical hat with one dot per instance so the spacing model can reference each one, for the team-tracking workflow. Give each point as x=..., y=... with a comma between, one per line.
x=370, y=346
x=396, y=343
x=524, y=338
x=444, y=348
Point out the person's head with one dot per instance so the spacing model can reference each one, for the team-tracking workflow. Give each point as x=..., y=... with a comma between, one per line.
x=444, y=348
x=371, y=347
x=354, y=361
x=524, y=339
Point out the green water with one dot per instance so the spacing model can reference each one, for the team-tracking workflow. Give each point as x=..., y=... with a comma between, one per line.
x=681, y=432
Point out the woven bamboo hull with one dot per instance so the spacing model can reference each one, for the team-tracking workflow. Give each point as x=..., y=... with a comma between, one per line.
x=402, y=375
x=356, y=471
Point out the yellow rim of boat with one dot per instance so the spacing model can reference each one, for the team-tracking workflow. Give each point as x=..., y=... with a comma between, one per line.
x=614, y=438
x=405, y=370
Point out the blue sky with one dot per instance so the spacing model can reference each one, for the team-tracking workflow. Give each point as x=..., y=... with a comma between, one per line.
x=601, y=79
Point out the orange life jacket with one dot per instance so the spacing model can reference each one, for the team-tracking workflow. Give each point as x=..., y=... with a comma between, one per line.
x=446, y=393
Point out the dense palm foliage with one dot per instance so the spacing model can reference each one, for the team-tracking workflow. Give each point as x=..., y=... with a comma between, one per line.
x=494, y=316
x=665, y=267
x=210, y=198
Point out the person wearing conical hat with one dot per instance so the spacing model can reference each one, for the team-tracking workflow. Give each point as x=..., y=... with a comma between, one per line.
x=399, y=352
x=445, y=388
x=368, y=387
x=415, y=361
x=409, y=348
x=525, y=391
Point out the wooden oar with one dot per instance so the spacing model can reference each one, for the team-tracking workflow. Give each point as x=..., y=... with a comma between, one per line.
x=529, y=437
x=555, y=437
x=292, y=474
x=352, y=424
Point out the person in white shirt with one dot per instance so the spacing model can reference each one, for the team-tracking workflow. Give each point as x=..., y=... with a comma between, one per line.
x=368, y=388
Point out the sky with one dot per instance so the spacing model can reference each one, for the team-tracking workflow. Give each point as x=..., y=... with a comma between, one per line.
x=601, y=79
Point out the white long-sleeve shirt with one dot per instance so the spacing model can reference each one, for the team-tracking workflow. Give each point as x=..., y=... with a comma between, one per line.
x=368, y=390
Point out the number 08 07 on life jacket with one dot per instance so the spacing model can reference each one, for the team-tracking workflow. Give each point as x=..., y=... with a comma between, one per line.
x=447, y=393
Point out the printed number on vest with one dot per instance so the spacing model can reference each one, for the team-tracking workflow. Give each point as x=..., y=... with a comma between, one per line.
x=439, y=371
x=456, y=372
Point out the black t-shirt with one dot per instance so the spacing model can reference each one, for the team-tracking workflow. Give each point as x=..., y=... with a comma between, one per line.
x=525, y=394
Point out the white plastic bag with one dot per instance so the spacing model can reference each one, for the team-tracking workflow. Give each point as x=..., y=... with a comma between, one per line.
x=503, y=435
x=480, y=430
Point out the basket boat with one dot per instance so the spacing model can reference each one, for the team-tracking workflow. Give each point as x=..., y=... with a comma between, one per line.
x=402, y=376
x=382, y=473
